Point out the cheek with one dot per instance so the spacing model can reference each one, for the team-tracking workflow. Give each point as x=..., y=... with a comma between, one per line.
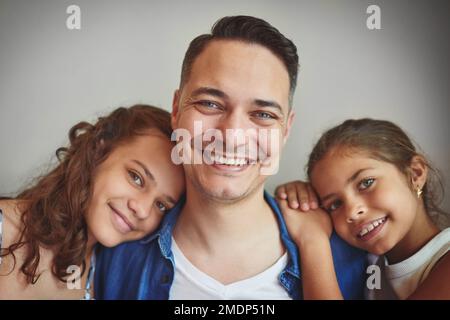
x=151, y=224
x=341, y=226
x=189, y=117
x=270, y=141
x=393, y=200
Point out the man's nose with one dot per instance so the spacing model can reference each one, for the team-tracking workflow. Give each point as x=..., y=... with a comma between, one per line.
x=237, y=130
x=234, y=119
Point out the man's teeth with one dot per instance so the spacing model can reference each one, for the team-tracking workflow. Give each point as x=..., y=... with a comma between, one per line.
x=230, y=161
x=371, y=226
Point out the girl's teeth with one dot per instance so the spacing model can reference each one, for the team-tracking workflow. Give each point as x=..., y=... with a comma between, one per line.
x=371, y=226
x=363, y=232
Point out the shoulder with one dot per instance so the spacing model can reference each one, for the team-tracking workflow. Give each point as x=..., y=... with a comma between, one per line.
x=437, y=285
x=126, y=255
x=122, y=270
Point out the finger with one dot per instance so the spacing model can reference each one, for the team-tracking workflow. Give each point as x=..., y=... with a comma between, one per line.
x=292, y=195
x=286, y=209
x=280, y=192
x=303, y=196
x=313, y=200
x=284, y=206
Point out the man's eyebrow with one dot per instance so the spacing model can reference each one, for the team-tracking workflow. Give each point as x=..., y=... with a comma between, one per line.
x=147, y=172
x=269, y=104
x=349, y=180
x=210, y=91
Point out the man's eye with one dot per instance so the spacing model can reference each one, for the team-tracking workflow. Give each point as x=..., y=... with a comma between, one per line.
x=334, y=206
x=264, y=115
x=209, y=104
x=136, y=178
x=365, y=183
x=161, y=207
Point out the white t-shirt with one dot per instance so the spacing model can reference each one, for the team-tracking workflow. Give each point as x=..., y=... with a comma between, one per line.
x=190, y=283
x=400, y=280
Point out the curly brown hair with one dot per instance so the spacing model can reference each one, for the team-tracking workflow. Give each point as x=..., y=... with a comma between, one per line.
x=56, y=204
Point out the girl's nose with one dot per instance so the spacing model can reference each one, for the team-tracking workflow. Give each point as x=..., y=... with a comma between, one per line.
x=141, y=207
x=355, y=213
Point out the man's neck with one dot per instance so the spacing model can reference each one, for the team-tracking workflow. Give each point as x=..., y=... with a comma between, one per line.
x=206, y=223
x=229, y=241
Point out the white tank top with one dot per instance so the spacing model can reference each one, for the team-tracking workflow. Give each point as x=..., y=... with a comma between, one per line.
x=190, y=283
x=400, y=280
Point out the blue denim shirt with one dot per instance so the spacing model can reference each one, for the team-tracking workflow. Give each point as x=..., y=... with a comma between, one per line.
x=144, y=269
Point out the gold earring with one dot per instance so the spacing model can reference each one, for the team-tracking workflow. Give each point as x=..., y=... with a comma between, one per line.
x=418, y=192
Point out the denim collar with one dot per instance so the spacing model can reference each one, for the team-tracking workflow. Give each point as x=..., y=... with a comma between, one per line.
x=164, y=234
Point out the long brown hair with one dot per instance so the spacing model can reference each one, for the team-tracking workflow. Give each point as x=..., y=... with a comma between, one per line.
x=56, y=204
x=384, y=141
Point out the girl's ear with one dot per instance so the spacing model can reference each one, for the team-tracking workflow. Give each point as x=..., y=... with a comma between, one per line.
x=419, y=171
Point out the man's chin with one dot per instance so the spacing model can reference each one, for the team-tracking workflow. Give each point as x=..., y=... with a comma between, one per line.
x=225, y=195
x=222, y=189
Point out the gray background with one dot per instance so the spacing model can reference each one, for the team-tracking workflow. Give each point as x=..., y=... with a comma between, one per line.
x=131, y=52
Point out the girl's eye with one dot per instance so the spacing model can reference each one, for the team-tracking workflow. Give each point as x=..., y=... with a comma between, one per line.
x=161, y=206
x=334, y=206
x=365, y=183
x=136, y=178
x=264, y=115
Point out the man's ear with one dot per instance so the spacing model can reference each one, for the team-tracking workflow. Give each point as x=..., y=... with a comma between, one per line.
x=290, y=121
x=419, y=171
x=175, y=108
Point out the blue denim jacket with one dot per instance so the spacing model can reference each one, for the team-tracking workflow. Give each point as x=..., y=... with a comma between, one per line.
x=144, y=269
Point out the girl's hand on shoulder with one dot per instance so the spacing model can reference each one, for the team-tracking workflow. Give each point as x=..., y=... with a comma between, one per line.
x=305, y=227
x=299, y=195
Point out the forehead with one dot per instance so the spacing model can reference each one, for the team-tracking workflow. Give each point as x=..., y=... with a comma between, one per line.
x=153, y=149
x=232, y=65
x=147, y=143
x=340, y=164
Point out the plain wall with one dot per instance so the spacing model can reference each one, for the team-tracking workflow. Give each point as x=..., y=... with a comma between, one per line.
x=130, y=52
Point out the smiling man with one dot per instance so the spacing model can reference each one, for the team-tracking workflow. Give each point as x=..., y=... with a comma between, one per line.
x=226, y=239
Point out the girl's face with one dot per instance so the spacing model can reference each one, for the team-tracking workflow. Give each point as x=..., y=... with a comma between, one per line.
x=370, y=201
x=133, y=189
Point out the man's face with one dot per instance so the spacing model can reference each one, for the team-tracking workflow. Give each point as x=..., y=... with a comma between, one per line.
x=234, y=85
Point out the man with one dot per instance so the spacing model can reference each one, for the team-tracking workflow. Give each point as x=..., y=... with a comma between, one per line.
x=227, y=238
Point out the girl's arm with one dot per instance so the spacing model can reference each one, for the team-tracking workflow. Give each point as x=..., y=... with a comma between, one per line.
x=311, y=232
x=318, y=275
x=312, y=236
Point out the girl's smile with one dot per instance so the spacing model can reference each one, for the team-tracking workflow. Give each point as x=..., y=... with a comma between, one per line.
x=371, y=202
x=371, y=229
